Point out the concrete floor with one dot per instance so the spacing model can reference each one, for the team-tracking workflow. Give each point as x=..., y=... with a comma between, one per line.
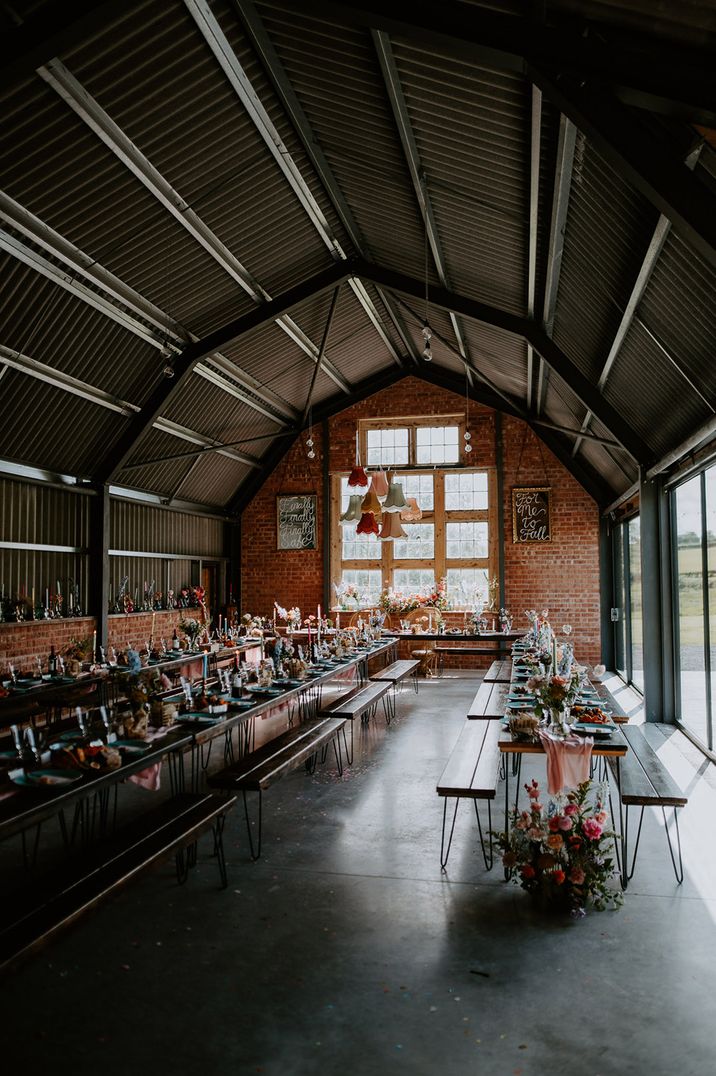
x=345, y=950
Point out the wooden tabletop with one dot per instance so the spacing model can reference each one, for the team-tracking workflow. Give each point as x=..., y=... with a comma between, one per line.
x=616, y=747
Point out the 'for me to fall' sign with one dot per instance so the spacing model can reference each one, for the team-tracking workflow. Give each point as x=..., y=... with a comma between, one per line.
x=531, y=514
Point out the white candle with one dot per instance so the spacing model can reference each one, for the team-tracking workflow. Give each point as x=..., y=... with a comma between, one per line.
x=94, y=644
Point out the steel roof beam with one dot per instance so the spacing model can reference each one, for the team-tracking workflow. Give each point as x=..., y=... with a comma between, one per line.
x=634, y=152
x=535, y=157
x=643, y=70
x=656, y=245
x=15, y=360
x=171, y=337
x=57, y=76
x=564, y=167
x=398, y=104
x=535, y=335
x=227, y=59
x=264, y=48
x=185, y=434
x=186, y=362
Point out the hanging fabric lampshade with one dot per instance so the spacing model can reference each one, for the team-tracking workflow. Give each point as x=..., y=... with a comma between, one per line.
x=413, y=513
x=358, y=477
x=371, y=502
x=395, y=501
x=353, y=511
x=368, y=524
x=379, y=482
x=391, y=528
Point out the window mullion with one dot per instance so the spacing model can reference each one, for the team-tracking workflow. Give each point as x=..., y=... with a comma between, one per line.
x=439, y=531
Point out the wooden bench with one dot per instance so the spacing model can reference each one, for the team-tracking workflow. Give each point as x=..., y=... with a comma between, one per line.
x=500, y=672
x=29, y=919
x=361, y=703
x=489, y=703
x=259, y=770
x=472, y=772
x=644, y=782
x=396, y=674
x=501, y=650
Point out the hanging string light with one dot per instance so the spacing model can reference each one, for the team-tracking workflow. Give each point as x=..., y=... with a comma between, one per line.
x=467, y=436
x=427, y=331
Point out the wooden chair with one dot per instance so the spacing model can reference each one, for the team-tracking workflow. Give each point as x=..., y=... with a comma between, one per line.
x=425, y=654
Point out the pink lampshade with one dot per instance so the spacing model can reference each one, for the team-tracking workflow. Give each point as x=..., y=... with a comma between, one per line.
x=413, y=513
x=379, y=482
x=392, y=528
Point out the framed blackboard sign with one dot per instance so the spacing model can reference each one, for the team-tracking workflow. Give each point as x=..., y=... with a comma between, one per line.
x=296, y=521
x=532, y=514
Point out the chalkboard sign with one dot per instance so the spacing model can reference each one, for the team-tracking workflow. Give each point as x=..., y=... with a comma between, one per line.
x=296, y=521
x=532, y=515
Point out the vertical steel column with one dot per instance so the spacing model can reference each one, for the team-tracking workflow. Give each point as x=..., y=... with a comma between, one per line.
x=326, y=514
x=653, y=584
x=98, y=589
x=499, y=468
x=232, y=550
x=606, y=592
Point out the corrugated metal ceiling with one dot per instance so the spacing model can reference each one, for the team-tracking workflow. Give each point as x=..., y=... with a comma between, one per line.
x=155, y=76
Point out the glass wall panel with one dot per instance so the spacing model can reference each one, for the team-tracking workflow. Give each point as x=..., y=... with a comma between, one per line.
x=690, y=608
x=620, y=660
x=635, y=608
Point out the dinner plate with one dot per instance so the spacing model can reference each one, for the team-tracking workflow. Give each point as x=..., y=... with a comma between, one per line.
x=201, y=718
x=54, y=779
x=132, y=747
x=521, y=705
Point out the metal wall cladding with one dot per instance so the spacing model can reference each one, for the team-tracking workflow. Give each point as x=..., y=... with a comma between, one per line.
x=472, y=130
x=165, y=89
x=49, y=428
x=608, y=231
x=651, y=395
x=145, y=528
x=44, y=321
x=156, y=573
x=42, y=515
x=678, y=308
x=213, y=480
x=335, y=74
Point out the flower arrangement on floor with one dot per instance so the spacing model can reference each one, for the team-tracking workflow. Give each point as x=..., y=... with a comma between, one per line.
x=561, y=853
x=397, y=604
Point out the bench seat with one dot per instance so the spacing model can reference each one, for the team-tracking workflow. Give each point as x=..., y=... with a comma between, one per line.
x=398, y=672
x=260, y=769
x=361, y=703
x=644, y=782
x=472, y=772
x=489, y=703
x=72, y=890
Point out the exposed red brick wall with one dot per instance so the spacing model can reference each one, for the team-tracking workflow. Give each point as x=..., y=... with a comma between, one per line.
x=22, y=643
x=562, y=575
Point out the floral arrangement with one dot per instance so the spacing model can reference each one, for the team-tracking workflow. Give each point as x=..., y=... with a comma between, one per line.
x=191, y=628
x=562, y=853
x=398, y=604
x=78, y=649
x=492, y=590
x=291, y=616
x=346, y=592
x=505, y=620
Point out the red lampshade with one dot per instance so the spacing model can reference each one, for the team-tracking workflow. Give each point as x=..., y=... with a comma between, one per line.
x=358, y=477
x=368, y=524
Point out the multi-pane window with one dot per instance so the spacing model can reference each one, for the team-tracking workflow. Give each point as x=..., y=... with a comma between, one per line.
x=453, y=539
x=419, y=544
x=466, y=541
x=436, y=444
x=388, y=447
x=467, y=588
x=466, y=492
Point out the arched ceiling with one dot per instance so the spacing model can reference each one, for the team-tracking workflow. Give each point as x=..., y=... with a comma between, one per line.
x=254, y=195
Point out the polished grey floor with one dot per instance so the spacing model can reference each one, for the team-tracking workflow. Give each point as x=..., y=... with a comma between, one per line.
x=345, y=950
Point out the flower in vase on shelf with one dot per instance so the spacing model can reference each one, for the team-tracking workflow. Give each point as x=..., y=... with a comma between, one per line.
x=561, y=853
